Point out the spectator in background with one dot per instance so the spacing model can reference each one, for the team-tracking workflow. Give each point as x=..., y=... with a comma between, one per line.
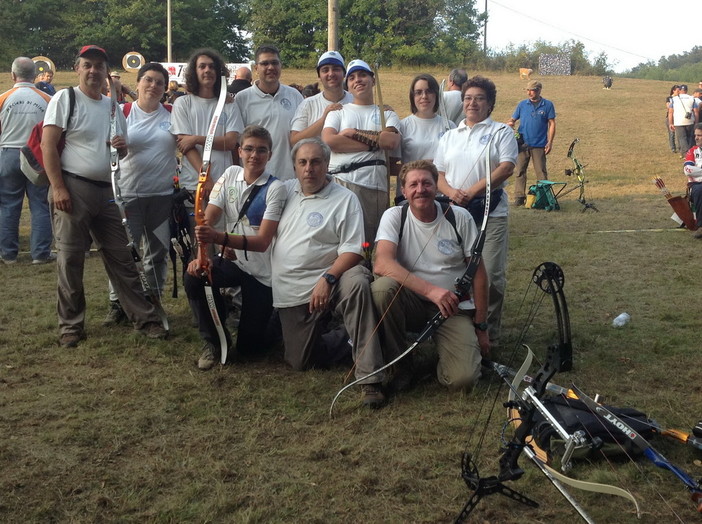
x=43, y=82
x=537, y=127
x=452, y=95
x=173, y=92
x=682, y=115
x=20, y=109
x=242, y=80
x=672, y=143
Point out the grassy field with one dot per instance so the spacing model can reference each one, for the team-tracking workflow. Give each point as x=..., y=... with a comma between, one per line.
x=125, y=430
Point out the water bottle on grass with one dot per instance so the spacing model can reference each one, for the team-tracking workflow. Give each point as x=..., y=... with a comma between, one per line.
x=621, y=320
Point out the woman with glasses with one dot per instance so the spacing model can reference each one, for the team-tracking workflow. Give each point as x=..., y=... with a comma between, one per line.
x=480, y=147
x=146, y=178
x=422, y=130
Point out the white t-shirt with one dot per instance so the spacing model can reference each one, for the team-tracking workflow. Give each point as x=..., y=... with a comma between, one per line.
x=311, y=109
x=366, y=117
x=461, y=155
x=454, y=106
x=23, y=108
x=191, y=116
x=87, y=151
x=431, y=250
x=420, y=137
x=148, y=168
x=275, y=113
x=683, y=104
x=313, y=231
x=229, y=194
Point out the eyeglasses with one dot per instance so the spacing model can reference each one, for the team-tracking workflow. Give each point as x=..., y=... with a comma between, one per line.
x=478, y=99
x=420, y=92
x=266, y=63
x=251, y=150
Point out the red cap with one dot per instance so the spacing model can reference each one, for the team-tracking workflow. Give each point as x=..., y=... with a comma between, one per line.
x=87, y=49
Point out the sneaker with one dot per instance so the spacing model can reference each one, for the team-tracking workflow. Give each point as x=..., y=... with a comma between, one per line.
x=153, y=330
x=208, y=358
x=70, y=340
x=9, y=261
x=50, y=258
x=698, y=233
x=372, y=396
x=115, y=315
x=519, y=201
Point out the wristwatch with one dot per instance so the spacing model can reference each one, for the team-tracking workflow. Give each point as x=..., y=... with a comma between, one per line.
x=330, y=278
x=481, y=326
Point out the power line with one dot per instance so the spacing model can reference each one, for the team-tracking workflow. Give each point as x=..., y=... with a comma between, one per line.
x=525, y=15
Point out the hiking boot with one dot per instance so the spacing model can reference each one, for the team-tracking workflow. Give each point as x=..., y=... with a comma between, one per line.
x=519, y=201
x=698, y=233
x=70, y=340
x=372, y=396
x=115, y=315
x=8, y=261
x=153, y=330
x=208, y=358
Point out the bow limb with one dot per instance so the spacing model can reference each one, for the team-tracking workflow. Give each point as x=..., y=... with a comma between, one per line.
x=115, y=176
x=381, y=115
x=204, y=186
x=649, y=451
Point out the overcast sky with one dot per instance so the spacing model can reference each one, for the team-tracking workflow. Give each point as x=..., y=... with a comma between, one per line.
x=629, y=32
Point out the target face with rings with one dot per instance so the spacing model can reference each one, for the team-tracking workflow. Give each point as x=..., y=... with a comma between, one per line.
x=43, y=64
x=133, y=61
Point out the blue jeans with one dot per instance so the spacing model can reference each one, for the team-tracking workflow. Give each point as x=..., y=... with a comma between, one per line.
x=13, y=186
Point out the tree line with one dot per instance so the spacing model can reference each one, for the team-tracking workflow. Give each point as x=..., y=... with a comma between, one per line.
x=389, y=32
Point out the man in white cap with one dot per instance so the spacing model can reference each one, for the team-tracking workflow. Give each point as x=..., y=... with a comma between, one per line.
x=311, y=113
x=358, y=145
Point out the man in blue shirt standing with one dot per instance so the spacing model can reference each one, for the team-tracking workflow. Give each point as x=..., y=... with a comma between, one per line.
x=537, y=128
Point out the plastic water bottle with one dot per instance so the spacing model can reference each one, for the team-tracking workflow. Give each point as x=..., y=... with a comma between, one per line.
x=621, y=320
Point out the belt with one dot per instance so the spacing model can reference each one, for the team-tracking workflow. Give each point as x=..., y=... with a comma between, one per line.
x=347, y=168
x=97, y=183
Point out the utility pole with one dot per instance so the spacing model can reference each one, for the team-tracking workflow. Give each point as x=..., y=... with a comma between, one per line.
x=168, y=32
x=332, y=25
x=485, y=30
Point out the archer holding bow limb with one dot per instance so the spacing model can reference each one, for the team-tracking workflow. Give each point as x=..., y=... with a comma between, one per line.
x=477, y=148
x=419, y=259
x=251, y=202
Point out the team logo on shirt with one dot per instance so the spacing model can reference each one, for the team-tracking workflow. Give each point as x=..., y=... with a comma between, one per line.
x=232, y=195
x=287, y=104
x=314, y=219
x=485, y=139
x=447, y=247
x=165, y=125
x=376, y=117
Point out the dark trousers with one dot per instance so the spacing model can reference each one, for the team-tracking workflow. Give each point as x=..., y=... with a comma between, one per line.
x=696, y=197
x=256, y=307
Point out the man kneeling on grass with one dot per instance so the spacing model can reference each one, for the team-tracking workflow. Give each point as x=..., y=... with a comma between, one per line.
x=418, y=259
x=316, y=271
x=245, y=245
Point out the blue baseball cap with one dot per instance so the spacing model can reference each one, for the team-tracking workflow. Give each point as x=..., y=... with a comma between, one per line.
x=331, y=58
x=359, y=65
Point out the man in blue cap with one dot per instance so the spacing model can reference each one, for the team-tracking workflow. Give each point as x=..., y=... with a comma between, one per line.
x=358, y=145
x=311, y=113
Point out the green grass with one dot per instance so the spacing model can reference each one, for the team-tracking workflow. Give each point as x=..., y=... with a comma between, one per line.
x=122, y=429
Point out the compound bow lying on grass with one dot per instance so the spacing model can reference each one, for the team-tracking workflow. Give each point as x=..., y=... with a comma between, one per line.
x=579, y=172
